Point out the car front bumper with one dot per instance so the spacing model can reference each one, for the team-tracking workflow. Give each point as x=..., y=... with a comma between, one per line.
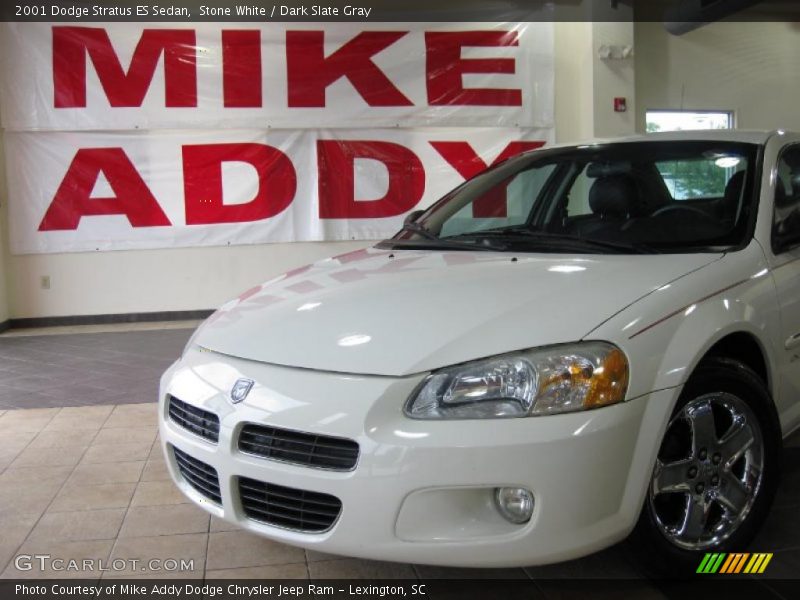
x=422, y=491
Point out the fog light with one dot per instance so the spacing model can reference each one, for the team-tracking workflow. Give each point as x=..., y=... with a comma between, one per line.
x=515, y=504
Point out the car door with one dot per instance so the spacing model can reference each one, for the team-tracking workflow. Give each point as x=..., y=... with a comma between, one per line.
x=785, y=242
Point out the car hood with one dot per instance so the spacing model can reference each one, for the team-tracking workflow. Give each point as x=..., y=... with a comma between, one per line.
x=401, y=312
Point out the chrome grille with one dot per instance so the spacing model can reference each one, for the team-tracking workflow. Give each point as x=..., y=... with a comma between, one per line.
x=199, y=475
x=198, y=421
x=307, y=449
x=287, y=507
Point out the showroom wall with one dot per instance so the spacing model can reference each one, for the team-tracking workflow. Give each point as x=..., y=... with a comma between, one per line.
x=749, y=68
x=5, y=312
x=574, y=111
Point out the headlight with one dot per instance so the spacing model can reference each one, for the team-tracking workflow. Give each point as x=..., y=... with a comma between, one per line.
x=541, y=381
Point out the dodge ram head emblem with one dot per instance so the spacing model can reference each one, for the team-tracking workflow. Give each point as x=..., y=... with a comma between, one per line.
x=240, y=390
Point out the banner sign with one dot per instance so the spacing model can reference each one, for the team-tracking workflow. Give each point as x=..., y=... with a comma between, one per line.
x=212, y=75
x=101, y=191
x=123, y=135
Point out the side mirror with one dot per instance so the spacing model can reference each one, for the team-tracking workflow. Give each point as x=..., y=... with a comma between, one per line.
x=786, y=232
x=412, y=216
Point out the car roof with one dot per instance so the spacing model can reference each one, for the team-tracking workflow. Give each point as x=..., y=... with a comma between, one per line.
x=751, y=136
x=722, y=135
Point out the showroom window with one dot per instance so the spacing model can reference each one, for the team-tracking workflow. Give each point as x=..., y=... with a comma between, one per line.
x=685, y=120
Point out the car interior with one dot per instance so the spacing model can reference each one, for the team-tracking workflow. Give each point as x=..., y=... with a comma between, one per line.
x=632, y=202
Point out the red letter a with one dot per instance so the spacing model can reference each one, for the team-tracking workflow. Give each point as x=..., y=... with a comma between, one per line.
x=73, y=198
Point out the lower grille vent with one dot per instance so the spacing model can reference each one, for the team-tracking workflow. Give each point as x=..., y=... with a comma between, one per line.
x=199, y=475
x=287, y=507
x=306, y=449
x=198, y=421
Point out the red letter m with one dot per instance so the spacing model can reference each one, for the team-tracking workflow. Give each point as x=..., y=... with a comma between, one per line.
x=72, y=44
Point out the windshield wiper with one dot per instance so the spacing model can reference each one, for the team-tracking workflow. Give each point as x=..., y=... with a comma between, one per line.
x=529, y=235
x=477, y=244
x=568, y=237
x=419, y=229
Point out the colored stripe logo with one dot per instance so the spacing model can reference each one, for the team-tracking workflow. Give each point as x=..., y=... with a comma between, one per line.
x=735, y=562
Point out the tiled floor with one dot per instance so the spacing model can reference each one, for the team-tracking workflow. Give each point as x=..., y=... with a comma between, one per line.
x=90, y=482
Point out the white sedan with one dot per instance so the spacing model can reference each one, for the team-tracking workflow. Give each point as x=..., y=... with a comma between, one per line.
x=581, y=344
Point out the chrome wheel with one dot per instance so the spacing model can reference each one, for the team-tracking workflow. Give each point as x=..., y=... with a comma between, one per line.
x=708, y=472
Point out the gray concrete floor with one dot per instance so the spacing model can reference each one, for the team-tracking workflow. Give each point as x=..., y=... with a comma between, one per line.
x=85, y=369
x=81, y=475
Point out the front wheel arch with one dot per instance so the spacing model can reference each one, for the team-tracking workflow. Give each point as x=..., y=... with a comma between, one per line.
x=745, y=348
x=652, y=547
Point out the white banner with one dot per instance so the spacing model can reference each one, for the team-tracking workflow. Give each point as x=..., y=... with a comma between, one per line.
x=111, y=190
x=97, y=76
x=152, y=135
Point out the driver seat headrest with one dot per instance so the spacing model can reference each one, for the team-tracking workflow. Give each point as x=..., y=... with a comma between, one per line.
x=614, y=196
x=733, y=189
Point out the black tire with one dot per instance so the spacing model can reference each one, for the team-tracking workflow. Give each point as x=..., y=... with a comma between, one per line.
x=652, y=547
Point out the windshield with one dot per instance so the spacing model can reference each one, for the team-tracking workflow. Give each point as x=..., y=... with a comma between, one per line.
x=626, y=197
